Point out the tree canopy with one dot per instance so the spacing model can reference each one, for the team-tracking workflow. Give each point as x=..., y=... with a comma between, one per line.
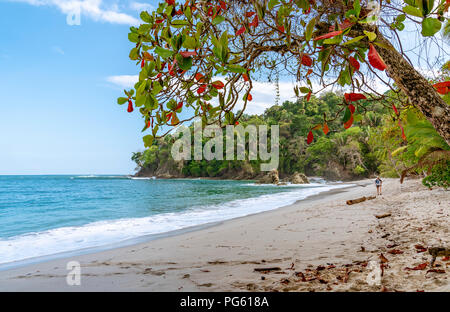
x=203, y=57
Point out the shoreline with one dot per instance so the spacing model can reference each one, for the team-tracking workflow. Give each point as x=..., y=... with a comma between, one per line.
x=150, y=237
x=313, y=232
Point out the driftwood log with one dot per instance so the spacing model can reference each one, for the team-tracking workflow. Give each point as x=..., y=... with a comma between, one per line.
x=264, y=270
x=383, y=216
x=359, y=200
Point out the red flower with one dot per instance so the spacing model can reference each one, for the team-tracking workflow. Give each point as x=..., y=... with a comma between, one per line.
x=375, y=59
x=188, y=54
x=395, y=109
x=325, y=128
x=306, y=60
x=240, y=31
x=218, y=84
x=349, y=123
x=329, y=35
x=310, y=137
x=130, y=106
x=199, y=77
x=345, y=24
x=351, y=97
x=249, y=14
x=403, y=131
x=249, y=97
x=354, y=62
x=245, y=76
x=201, y=89
x=352, y=108
x=442, y=87
x=255, y=22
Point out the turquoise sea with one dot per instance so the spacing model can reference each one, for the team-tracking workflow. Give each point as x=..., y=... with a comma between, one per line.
x=48, y=215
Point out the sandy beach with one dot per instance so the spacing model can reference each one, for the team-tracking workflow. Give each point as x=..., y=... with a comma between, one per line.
x=317, y=244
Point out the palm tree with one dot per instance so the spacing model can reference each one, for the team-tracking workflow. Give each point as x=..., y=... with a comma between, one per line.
x=426, y=144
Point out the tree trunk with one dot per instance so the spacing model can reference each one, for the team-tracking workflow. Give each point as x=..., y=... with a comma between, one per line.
x=419, y=91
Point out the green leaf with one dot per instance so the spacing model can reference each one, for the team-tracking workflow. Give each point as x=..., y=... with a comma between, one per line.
x=273, y=3
x=190, y=43
x=334, y=40
x=357, y=117
x=185, y=63
x=347, y=115
x=309, y=29
x=188, y=12
x=401, y=18
x=430, y=26
x=357, y=7
x=305, y=90
x=133, y=37
x=156, y=88
x=350, y=13
x=148, y=140
x=172, y=104
x=412, y=11
x=179, y=23
x=218, y=20
x=302, y=4
x=122, y=100
x=398, y=150
x=155, y=130
x=140, y=100
x=400, y=26
x=145, y=17
x=224, y=40
x=236, y=69
x=354, y=40
x=134, y=54
x=371, y=35
x=164, y=53
x=345, y=77
x=426, y=6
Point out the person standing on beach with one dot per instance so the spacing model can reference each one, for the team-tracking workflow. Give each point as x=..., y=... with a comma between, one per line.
x=378, y=183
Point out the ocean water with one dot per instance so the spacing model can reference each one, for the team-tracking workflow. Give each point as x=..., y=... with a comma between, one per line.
x=48, y=215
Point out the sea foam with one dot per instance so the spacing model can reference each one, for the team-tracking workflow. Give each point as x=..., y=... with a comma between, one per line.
x=101, y=233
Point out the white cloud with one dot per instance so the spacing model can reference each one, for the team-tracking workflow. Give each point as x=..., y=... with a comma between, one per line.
x=123, y=81
x=139, y=6
x=58, y=50
x=263, y=93
x=93, y=9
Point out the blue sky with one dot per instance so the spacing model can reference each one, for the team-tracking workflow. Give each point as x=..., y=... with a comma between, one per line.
x=59, y=113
